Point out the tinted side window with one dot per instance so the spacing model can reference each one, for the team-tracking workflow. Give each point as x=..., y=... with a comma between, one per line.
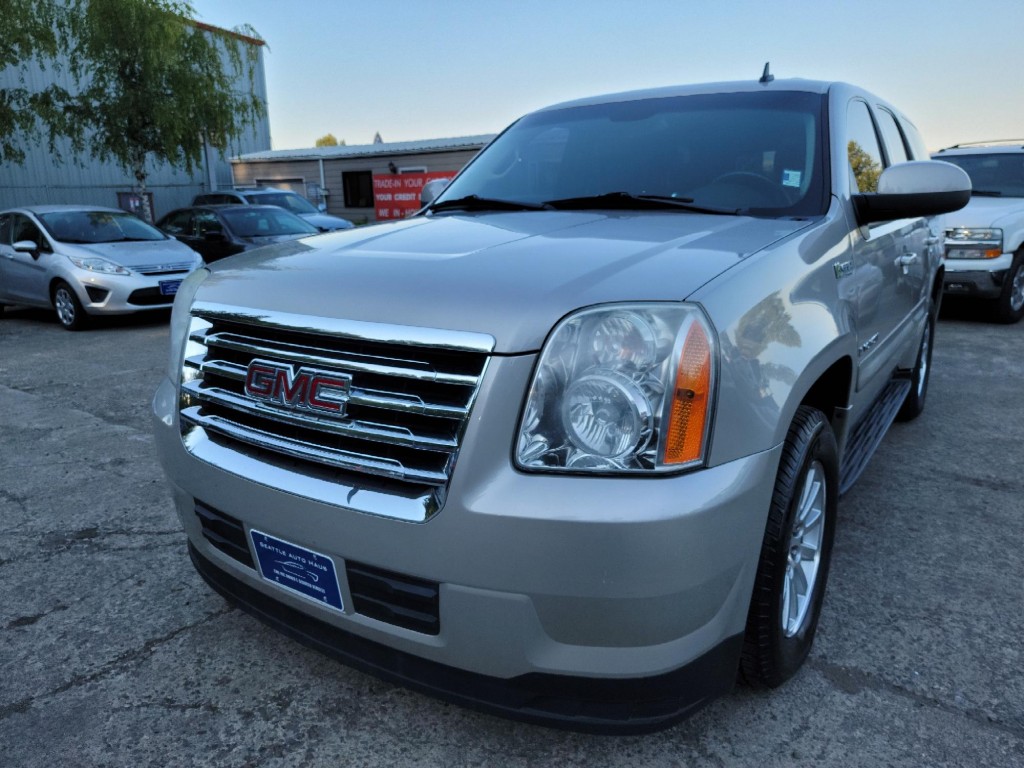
x=914, y=140
x=862, y=148
x=207, y=222
x=24, y=229
x=5, y=229
x=179, y=223
x=894, y=144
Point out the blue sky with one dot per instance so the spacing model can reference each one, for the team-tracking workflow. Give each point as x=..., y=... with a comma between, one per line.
x=431, y=69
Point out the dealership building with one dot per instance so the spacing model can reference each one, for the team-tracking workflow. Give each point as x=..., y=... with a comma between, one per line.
x=367, y=183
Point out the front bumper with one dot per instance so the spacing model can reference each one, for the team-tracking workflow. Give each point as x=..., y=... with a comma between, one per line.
x=627, y=595
x=622, y=706
x=979, y=278
x=102, y=294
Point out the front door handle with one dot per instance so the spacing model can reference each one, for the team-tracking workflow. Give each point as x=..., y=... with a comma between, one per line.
x=905, y=260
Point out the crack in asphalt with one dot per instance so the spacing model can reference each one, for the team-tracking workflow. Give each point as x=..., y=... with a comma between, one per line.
x=27, y=621
x=853, y=681
x=118, y=664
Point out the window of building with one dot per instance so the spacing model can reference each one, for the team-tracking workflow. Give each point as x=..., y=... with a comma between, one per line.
x=358, y=188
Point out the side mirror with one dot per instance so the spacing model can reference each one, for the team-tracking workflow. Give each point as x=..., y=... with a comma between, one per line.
x=431, y=190
x=917, y=188
x=321, y=207
x=26, y=246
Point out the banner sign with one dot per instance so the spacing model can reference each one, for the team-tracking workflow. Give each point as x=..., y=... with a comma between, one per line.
x=397, y=195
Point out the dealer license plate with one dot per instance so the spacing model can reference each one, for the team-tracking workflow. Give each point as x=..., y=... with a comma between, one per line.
x=297, y=569
x=169, y=287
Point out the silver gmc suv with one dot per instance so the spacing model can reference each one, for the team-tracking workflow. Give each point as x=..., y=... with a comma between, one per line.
x=985, y=239
x=568, y=445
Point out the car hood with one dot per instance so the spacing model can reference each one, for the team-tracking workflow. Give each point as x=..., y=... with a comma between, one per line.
x=509, y=275
x=325, y=221
x=134, y=254
x=986, y=212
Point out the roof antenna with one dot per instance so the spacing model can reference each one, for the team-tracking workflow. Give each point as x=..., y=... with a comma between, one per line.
x=766, y=76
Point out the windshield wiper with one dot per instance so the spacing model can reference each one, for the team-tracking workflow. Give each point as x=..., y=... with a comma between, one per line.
x=477, y=203
x=629, y=201
x=986, y=193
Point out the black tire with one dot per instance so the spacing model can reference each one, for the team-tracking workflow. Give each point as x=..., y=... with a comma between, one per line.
x=913, y=405
x=68, y=308
x=1010, y=304
x=774, y=651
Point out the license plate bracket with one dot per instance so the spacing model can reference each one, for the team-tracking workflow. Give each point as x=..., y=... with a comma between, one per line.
x=302, y=571
x=169, y=287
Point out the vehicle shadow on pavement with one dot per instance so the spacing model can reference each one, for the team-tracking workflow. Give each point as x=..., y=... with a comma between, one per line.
x=96, y=322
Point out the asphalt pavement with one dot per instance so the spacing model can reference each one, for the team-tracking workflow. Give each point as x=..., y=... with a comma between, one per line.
x=113, y=652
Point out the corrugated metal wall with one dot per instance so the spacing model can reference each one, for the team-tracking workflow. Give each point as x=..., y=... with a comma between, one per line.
x=42, y=179
x=249, y=173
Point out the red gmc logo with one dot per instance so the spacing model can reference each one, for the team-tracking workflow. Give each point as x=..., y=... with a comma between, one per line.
x=306, y=388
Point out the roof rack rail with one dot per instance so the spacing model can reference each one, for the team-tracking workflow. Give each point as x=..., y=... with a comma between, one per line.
x=991, y=143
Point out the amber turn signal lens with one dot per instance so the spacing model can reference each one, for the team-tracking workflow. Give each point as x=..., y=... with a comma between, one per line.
x=684, y=438
x=993, y=253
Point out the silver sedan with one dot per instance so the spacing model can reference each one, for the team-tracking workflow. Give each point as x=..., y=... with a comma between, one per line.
x=86, y=260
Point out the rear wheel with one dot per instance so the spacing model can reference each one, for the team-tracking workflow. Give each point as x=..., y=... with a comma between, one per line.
x=69, y=308
x=790, y=583
x=1010, y=304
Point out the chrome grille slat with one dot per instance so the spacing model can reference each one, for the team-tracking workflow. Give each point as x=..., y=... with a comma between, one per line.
x=165, y=269
x=405, y=400
x=321, y=454
x=324, y=357
x=358, y=397
x=354, y=429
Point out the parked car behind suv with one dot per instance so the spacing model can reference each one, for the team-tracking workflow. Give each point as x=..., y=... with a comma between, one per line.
x=985, y=239
x=282, y=198
x=217, y=231
x=568, y=444
x=87, y=260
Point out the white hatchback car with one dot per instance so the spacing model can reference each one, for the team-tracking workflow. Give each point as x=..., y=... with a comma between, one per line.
x=86, y=260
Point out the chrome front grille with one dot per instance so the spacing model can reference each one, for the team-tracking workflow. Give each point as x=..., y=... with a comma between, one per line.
x=393, y=449
x=165, y=269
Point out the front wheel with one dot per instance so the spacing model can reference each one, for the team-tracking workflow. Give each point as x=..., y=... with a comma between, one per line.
x=1010, y=304
x=913, y=405
x=69, y=308
x=790, y=583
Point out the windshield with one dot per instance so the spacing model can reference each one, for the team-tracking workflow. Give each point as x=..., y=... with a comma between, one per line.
x=266, y=221
x=85, y=227
x=287, y=200
x=756, y=153
x=1000, y=174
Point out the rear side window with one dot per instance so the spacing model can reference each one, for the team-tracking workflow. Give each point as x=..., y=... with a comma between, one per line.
x=893, y=136
x=862, y=148
x=5, y=229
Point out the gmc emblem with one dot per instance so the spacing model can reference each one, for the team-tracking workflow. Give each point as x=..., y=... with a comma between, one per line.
x=307, y=388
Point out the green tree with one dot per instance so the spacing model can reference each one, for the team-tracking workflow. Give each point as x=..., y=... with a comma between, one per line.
x=30, y=32
x=150, y=84
x=327, y=140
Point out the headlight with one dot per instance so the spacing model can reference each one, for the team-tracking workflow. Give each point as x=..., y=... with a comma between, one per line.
x=621, y=388
x=96, y=264
x=970, y=243
x=180, y=320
